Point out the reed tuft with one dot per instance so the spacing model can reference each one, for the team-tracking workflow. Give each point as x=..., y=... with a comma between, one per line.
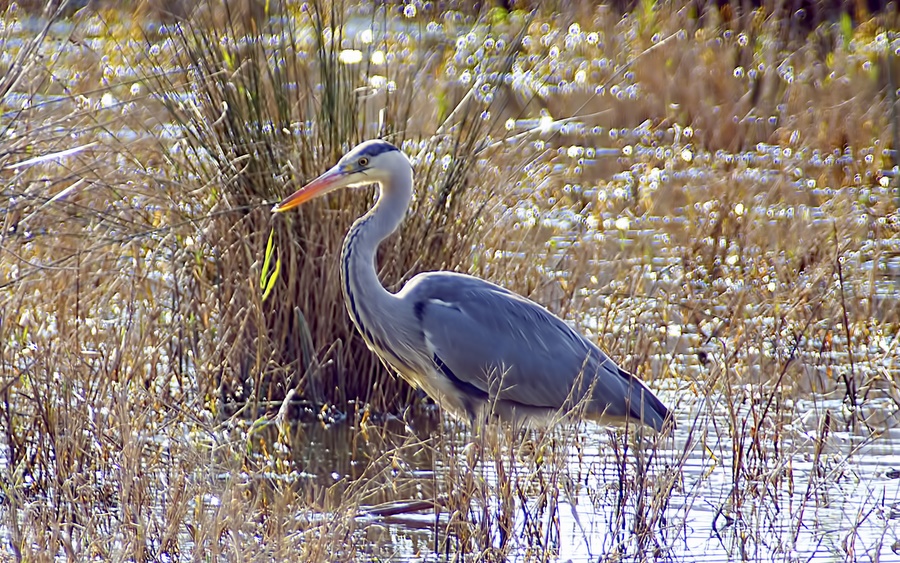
x=257, y=112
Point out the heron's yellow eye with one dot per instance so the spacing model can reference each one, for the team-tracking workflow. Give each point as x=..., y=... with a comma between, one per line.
x=363, y=161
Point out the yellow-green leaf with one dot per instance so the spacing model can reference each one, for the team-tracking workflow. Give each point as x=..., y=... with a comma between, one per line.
x=272, y=279
x=270, y=249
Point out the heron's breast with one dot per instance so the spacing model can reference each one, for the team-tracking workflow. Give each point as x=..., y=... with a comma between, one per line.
x=421, y=373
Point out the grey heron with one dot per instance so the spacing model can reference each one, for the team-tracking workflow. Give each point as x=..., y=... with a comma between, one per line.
x=477, y=349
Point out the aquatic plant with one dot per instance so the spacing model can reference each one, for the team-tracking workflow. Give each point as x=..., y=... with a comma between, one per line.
x=258, y=111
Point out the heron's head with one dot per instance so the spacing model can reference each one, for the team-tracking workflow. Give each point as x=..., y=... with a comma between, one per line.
x=369, y=162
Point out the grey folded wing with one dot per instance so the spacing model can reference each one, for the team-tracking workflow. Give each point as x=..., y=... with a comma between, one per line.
x=508, y=347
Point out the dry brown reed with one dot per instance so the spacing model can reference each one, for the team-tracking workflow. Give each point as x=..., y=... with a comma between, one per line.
x=250, y=128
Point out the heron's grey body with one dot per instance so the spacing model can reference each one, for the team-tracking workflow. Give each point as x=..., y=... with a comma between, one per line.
x=476, y=348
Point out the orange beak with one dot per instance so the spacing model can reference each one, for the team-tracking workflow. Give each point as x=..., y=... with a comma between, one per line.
x=325, y=183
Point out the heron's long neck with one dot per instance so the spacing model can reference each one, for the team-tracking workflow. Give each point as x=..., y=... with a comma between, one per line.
x=367, y=300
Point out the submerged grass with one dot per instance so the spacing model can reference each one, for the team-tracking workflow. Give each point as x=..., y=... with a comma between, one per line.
x=713, y=204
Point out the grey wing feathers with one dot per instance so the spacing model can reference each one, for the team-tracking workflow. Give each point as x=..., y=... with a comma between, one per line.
x=512, y=348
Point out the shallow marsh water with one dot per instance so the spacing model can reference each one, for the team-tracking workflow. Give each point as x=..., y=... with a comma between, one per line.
x=613, y=205
x=837, y=500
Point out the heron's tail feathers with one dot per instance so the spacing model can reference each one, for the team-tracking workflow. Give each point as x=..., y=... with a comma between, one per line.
x=644, y=405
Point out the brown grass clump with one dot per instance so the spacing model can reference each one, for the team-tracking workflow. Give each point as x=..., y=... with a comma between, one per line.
x=251, y=128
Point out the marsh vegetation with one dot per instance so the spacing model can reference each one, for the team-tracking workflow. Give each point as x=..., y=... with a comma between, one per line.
x=712, y=198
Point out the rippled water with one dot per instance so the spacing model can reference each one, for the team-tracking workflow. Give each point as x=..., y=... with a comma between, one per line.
x=816, y=501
